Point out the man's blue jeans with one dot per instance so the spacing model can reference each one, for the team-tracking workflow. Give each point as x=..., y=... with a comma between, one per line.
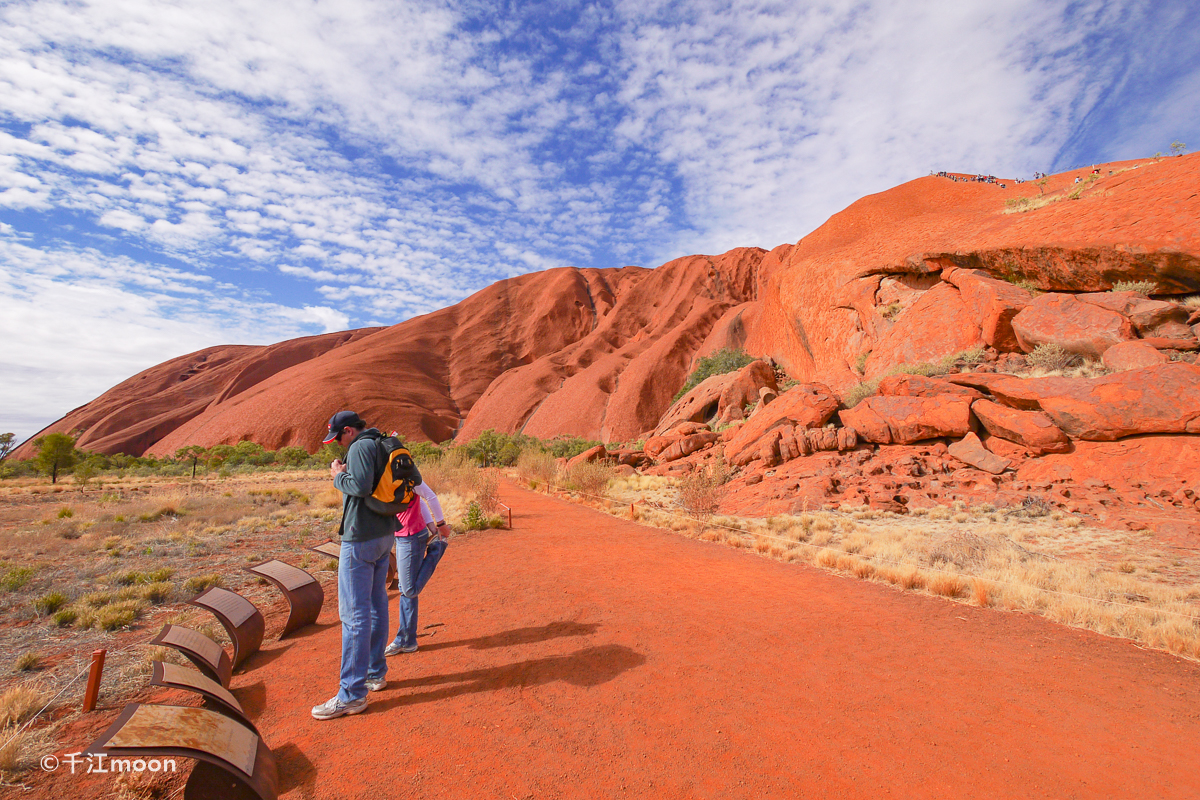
x=363, y=608
x=415, y=566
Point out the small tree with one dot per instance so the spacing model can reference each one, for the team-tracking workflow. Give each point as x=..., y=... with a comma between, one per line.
x=193, y=451
x=1177, y=147
x=55, y=451
x=7, y=443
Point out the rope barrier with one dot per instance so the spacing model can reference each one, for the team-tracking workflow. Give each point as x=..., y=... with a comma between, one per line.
x=794, y=543
x=70, y=683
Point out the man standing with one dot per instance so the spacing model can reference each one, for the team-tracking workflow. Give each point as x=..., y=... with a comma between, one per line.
x=367, y=539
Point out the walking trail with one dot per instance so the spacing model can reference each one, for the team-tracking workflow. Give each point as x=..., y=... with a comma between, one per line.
x=582, y=656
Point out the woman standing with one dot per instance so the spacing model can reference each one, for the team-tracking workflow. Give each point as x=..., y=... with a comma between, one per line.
x=415, y=562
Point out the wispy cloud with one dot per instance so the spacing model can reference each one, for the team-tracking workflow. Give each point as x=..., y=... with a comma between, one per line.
x=296, y=167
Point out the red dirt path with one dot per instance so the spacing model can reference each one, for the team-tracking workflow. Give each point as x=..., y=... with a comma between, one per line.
x=585, y=656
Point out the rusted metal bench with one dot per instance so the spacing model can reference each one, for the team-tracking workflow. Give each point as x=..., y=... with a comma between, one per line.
x=304, y=595
x=216, y=696
x=241, y=619
x=232, y=762
x=208, y=656
x=334, y=550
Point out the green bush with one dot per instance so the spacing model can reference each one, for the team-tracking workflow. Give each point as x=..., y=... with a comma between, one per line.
x=13, y=578
x=65, y=617
x=199, y=583
x=718, y=363
x=1051, y=357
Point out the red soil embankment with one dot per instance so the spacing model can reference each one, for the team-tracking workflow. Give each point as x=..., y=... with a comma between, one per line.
x=585, y=656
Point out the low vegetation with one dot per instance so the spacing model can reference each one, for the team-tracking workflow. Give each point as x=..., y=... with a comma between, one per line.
x=865, y=389
x=718, y=363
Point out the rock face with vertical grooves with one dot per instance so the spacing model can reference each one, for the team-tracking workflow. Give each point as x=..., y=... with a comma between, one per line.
x=917, y=273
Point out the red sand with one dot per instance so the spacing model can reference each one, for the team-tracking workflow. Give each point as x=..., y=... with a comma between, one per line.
x=585, y=656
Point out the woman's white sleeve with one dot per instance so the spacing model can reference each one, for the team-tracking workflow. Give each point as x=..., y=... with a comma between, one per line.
x=426, y=494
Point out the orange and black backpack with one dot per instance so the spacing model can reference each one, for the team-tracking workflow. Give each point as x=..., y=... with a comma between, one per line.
x=396, y=475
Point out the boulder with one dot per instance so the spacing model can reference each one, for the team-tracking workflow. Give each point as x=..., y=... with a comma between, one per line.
x=1077, y=327
x=993, y=303
x=804, y=406
x=971, y=451
x=1148, y=317
x=1162, y=399
x=1033, y=430
x=920, y=386
x=1132, y=355
x=699, y=405
x=591, y=454
x=904, y=420
x=1183, y=343
x=687, y=445
x=938, y=324
x=745, y=388
x=822, y=439
x=655, y=445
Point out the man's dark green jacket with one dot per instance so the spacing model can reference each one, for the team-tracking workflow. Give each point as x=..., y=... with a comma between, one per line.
x=359, y=523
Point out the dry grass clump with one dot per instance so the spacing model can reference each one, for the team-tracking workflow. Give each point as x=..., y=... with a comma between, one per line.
x=20, y=702
x=200, y=583
x=537, y=467
x=589, y=477
x=701, y=492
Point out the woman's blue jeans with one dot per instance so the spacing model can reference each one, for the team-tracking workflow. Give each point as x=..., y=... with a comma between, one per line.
x=414, y=566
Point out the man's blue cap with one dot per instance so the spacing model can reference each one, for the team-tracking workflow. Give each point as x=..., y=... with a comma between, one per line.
x=338, y=422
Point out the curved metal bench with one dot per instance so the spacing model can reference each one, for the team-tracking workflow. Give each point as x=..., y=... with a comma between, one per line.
x=216, y=696
x=334, y=550
x=241, y=619
x=208, y=656
x=232, y=762
x=304, y=595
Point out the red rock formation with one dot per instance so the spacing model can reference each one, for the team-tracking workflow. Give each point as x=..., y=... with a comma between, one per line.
x=904, y=420
x=1033, y=430
x=1075, y=326
x=1132, y=355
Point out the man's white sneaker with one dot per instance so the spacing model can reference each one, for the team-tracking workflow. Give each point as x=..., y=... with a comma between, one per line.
x=394, y=649
x=376, y=684
x=334, y=708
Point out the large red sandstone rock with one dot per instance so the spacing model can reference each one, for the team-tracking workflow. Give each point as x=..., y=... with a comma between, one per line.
x=904, y=420
x=687, y=445
x=804, y=406
x=1162, y=399
x=605, y=359
x=1132, y=355
x=993, y=303
x=971, y=451
x=1077, y=327
x=596, y=453
x=938, y=324
x=1145, y=460
x=720, y=397
x=1033, y=430
x=1148, y=317
x=920, y=386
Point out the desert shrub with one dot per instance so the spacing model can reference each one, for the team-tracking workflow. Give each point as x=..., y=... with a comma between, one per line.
x=1051, y=357
x=66, y=512
x=487, y=493
x=718, y=363
x=475, y=519
x=13, y=578
x=119, y=615
x=537, y=465
x=158, y=593
x=27, y=661
x=568, y=446
x=860, y=363
x=19, y=703
x=890, y=312
x=1141, y=287
x=454, y=471
x=701, y=492
x=859, y=393
x=590, y=477
x=199, y=583
x=49, y=603
x=65, y=617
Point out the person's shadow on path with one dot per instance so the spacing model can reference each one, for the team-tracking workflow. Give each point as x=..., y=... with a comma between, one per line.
x=541, y=633
x=591, y=666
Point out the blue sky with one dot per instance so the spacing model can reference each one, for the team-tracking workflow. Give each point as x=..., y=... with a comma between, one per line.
x=179, y=175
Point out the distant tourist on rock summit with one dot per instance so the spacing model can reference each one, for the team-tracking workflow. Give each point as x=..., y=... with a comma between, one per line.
x=414, y=562
x=367, y=538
